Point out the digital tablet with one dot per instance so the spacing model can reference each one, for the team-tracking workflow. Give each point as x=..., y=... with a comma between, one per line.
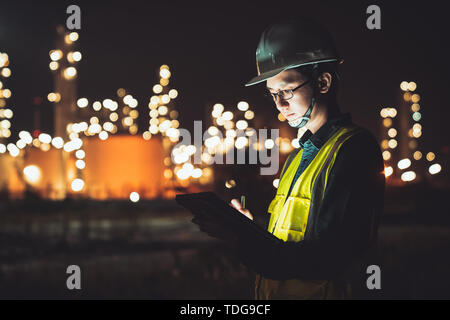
x=209, y=203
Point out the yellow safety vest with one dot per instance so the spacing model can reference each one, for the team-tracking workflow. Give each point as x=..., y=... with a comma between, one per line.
x=290, y=217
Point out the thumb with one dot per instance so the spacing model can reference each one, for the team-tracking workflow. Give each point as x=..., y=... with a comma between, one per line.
x=235, y=203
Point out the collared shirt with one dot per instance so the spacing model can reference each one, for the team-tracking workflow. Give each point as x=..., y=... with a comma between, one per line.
x=311, y=143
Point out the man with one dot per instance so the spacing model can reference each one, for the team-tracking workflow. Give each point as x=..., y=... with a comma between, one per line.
x=330, y=195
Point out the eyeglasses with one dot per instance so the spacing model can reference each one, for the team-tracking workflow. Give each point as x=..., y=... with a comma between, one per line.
x=284, y=94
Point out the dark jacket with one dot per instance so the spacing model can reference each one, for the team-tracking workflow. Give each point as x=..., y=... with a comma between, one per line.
x=345, y=227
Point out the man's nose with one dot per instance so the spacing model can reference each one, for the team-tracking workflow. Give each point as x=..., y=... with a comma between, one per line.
x=281, y=104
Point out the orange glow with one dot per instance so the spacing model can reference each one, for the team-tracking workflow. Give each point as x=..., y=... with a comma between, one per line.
x=388, y=171
x=123, y=164
x=168, y=174
x=113, y=169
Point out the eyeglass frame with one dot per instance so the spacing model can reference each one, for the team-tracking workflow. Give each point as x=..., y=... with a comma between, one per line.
x=291, y=91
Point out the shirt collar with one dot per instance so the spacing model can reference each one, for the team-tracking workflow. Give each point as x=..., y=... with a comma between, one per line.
x=326, y=130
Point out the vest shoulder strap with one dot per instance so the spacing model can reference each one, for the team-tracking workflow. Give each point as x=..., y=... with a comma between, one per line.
x=296, y=151
x=289, y=160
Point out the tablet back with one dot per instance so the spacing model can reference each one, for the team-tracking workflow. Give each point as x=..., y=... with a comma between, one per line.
x=211, y=204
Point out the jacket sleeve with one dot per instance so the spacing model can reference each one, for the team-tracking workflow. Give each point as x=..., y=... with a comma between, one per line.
x=344, y=227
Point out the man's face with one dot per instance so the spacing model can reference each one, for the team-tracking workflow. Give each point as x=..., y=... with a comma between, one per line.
x=296, y=106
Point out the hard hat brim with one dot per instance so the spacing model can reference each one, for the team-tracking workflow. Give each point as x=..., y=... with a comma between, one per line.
x=264, y=76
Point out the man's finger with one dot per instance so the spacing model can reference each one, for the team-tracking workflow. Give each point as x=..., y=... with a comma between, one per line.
x=235, y=203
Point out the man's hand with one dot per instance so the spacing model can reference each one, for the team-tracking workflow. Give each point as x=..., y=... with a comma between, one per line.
x=214, y=228
x=238, y=206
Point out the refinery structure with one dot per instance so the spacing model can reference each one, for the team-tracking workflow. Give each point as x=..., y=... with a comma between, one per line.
x=97, y=149
x=406, y=160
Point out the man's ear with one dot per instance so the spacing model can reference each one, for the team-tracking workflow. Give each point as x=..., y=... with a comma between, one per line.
x=324, y=82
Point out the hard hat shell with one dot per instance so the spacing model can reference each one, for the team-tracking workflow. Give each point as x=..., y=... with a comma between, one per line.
x=292, y=43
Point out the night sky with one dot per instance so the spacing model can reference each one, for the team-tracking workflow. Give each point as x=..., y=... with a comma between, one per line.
x=210, y=48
